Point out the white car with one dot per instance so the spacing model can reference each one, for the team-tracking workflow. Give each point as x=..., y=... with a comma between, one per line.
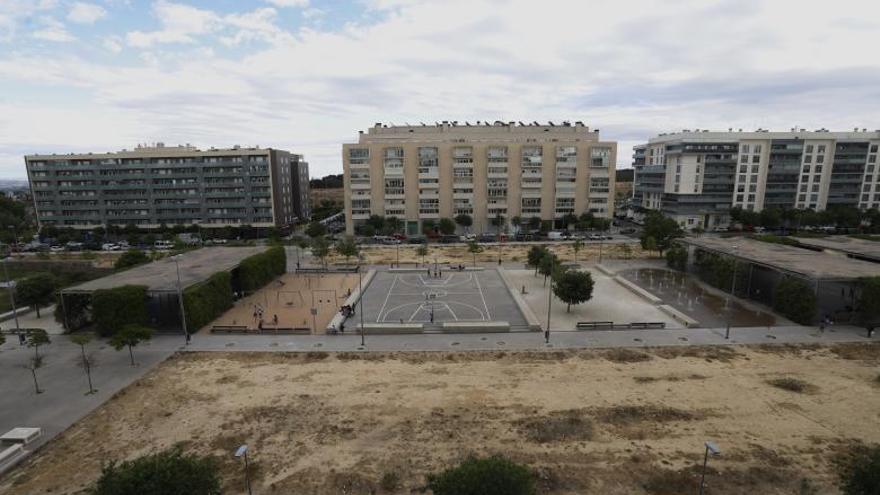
x=57, y=249
x=109, y=246
x=163, y=245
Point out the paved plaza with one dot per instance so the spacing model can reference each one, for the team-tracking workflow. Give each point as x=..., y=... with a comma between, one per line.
x=394, y=297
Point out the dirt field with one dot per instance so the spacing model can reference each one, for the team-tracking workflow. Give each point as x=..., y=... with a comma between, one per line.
x=512, y=252
x=588, y=422
x=292, y=301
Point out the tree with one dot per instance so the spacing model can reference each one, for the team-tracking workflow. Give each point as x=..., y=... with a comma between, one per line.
x=81, y=339
x=577, y=246
x=37, y=337
x=475, y=248
x=677, y=257
x=498, y=221
x=868, y=306
x=489, y=476
x=548, y=265
x=393, y=225
x=316, y=229
x=649, y=243
x=795, y=300
x=130, y=336
x=664, y=230
x=534, y=223
x=516, y=222
x=132, y=257
x=377, y=222
x=464, y=220
x=36, y=290
x=861, y=475
x=429, y=225
x=573, y=287
x=347, y=247
x=170, y=472
x=321, y=248
x=568, y=220
x=770, y=218
x=422, y=251
x=536, y=254
x=446, y=226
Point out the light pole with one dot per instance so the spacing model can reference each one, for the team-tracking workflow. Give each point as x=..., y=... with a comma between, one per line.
x=732, y=294
x=180, y=300
x=398, y=254
x=601, y=241
x=549, y=301
x=711, y=448
x=361, y=302
x=11, y=289
x=242, y=452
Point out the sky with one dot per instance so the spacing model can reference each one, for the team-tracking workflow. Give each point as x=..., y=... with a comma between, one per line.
x=307, y=75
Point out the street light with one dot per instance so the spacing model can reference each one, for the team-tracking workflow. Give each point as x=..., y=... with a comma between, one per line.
x=549, y=301
x=242, y=452
x=711, y=448
x=180, y=299
x=361, y=301
x=11, y=290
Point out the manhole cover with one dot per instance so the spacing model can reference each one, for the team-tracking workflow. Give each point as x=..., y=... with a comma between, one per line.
x=273, y=344
x=500, y=342
x=683, y=339
x=483, y=338
x=637, y=340
x=454, y=343
x=230, y=344
x=318, y=344
x=771, y=337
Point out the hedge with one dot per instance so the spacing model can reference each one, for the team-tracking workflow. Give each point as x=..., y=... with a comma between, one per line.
x=795, y=299
x=260, y=269
x=717, y=271
x=114, y=308
x=208, y=300
x=77, y=306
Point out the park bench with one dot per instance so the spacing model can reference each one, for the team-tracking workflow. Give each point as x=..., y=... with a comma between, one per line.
x=609, y=325
x=229, y=329
x=595, y=325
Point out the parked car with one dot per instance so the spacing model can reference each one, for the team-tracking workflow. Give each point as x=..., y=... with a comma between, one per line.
x=110, y=246
x=163, y=245
x=555, y=235
x=467, y=237
x=56, y=249
x=75, y=246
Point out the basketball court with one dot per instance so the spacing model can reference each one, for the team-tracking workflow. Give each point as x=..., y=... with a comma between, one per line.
x=421, y=297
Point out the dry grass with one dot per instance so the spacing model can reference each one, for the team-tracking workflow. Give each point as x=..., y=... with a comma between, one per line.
x=792, y=385
x=558, y=426
x=626, y=356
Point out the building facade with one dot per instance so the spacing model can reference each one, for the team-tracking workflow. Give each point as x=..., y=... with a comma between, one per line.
x=491, y=172
x=157, y=185
x=696, y=177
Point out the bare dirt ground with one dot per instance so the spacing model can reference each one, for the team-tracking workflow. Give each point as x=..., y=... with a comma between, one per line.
x=291, y=297
x=588, y=422
x=509, y=253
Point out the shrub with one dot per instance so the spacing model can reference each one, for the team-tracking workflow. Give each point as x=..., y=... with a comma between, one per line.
x=114, y=308
x=130, y=258
x=795, y=300
x=258, y=270
x=78, y=311
x=170, y=472
x=573, y=287
x=489, y=476
x=861, y=475
x=677, y=257
x=390, y=481
x=791, y=384
x=208, y=300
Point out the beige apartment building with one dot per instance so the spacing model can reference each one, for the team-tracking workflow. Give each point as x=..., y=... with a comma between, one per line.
x=492, y=172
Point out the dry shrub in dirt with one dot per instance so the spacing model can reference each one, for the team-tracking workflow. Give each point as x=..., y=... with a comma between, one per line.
x=668, y=378
x=669, y=482
x=390, y=481
x=623, y=415
x=792, y=385
x=723, y=354
x=558, y=426
x=861, y=352
x=623, y=355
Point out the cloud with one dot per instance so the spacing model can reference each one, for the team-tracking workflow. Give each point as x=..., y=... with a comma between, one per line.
x=112, y=44
x=86, y=13
x=53, y=30
x=289, y=3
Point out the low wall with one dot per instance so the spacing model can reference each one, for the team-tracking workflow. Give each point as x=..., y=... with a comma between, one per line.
x=528, y=314
x=391, y=328
x=352, y=300
x=651, y=298
x=679, y=316
x=475, y=327
x=604, y=269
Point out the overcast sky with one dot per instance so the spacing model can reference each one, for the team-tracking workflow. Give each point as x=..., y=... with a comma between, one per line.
x=306, y=75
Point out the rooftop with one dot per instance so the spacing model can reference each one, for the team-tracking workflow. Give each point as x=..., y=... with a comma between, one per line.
x=161, y=276
x=816, y=265
x=454, y=131
x=704, y=135
x=848, y=245
x=155, y=150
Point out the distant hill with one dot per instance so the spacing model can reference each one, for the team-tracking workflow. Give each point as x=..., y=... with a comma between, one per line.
x=13, y=184
x=327, y=182
x=625, y=175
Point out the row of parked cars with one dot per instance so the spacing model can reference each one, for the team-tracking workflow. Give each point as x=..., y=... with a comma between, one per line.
x=485, y=237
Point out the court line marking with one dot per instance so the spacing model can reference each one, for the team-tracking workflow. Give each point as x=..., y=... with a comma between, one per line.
x=420, y=306
x=488, y=316
x=388, y=295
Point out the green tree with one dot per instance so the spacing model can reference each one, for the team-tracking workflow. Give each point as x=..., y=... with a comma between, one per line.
x=489, y=476
x=577, y=246
x=82, y=339
x=170, y=472
x=534, y=223
x=475, y=248
x=649, y=243
x=132, y=257
x=664, y=230
x=446, y=226
x=573, y=287
x=795, y=300
x=464, y=220
x=321, y=249
x=393, y=225
x=429, y=225
x=861, y=474
x=771, y=218
x=517, y=222
x=377, y=222
x=568, y=220
x=35, y=338
x=36, y=290
x=422, y=251
x=677, y=257
x=130, y=336
x=869, y=302
x=498, y=221
x=316, y=229
x=548, y=265
x=536, y=254
x=347, y=247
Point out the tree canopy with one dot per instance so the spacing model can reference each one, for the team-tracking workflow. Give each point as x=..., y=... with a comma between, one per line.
x=446, y=226
x=347, y=247
x=130, y=336
x=662, y=229
x=170, y=472
x=132, y=257
x=488, y=476
x=316, y=229
x=36, y=290
x=573, y=287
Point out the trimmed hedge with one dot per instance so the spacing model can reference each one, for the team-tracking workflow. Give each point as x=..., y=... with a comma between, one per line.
x=260, y=269
x=114, y=308
x=206, y=301
x=795, y=300
x=78, y=310
x=717, y=271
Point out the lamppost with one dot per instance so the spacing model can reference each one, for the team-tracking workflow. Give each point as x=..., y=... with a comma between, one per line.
x=549, y=301
x=242, y=452
x=11, y=289
x=601, y=241
x=711, y=448
x=398, y=253
x=361, y=301
x=732, y=294
x=180, y=299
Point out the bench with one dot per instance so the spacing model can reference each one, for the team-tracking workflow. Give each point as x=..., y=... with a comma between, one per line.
x=475, y=327
x=595, y=325
x=609, y=325
x=390, y=328
x=229, y=329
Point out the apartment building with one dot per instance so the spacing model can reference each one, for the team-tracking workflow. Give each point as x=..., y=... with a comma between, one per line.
x=697, y=176
x=157, y=185
x=492, y=172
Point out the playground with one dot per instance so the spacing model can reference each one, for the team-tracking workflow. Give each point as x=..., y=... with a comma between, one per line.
x=446, y=295
x=291, y=298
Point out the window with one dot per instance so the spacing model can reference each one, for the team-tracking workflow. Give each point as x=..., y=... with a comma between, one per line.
x=820, y=158
x=757, y=148
x=755, y=169
x=744, y=148
x=806, y=169
x=803, y=188
x=802, y=197
x=753, y=179
x=744, y=159
x=805, y=178
x=751, y=198
x=756, y=159
x=753, y=188
x=741, y=188
x=815, y=187
x=809, y=148
x=821, y=148
x=678, y=169
x=808, y=159
x=818, y=169
x=739, y=198
x=742, y=178
x=872, y=158
x=743, y=169
x=873, y=148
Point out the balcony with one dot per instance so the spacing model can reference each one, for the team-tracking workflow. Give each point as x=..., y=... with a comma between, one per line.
x=395, y=196
x=357, y=184
x=462, y=195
